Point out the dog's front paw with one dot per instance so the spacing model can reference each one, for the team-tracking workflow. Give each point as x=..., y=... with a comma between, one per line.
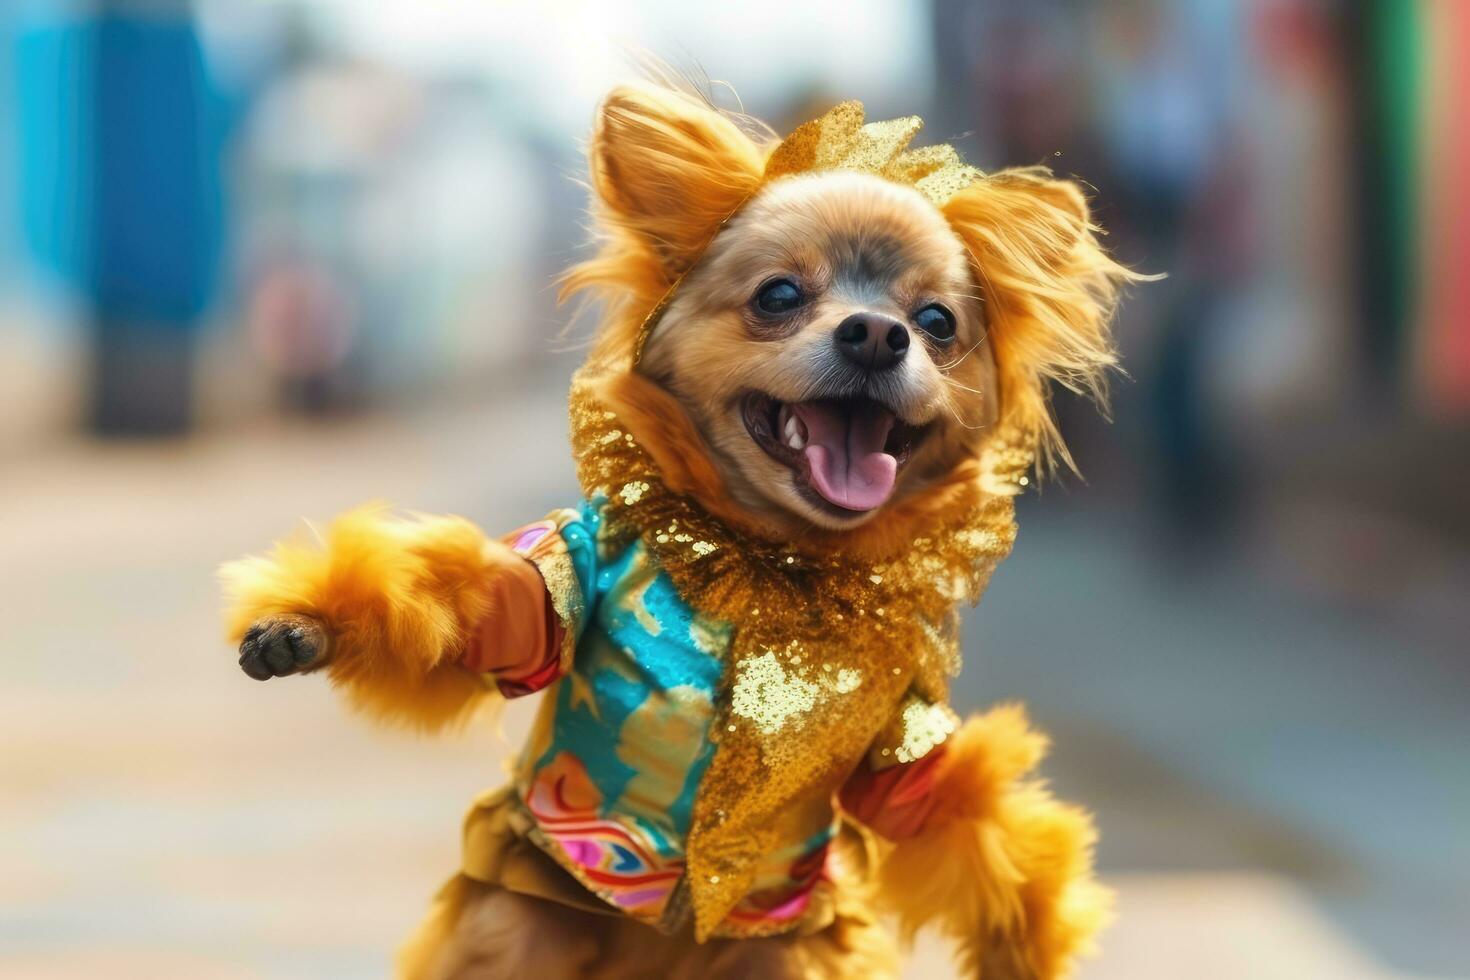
x=283, y=645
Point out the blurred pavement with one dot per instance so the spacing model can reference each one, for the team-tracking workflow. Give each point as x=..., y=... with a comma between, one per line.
x=168, y=817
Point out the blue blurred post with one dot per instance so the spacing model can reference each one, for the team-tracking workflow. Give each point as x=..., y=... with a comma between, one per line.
x=154, y=225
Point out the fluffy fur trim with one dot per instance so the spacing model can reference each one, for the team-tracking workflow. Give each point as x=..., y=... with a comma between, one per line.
x=1002, y=868
x=397, y=596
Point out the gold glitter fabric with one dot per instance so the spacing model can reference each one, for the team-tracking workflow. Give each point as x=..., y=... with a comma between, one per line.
x=832, y=654
x=841, y=140
x=549, y=554
x=917, y=727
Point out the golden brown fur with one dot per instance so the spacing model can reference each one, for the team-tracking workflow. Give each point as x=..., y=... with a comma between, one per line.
x=702, y=160
x=1050, y=292
x=1003, y=869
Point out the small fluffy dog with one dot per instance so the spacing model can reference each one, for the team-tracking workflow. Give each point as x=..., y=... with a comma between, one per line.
x=819, y=379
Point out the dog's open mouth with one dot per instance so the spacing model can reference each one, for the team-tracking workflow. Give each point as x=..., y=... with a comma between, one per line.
x=846, y=452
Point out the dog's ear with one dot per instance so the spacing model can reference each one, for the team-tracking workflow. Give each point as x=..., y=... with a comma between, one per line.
x=1049, y=289
x=667, y=168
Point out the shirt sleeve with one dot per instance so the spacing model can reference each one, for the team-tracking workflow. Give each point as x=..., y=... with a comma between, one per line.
x=891, y=790
x=540, y=600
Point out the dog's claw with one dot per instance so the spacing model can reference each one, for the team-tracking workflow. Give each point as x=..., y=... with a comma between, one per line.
x=281, y=646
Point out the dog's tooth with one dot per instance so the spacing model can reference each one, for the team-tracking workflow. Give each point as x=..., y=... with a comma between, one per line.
x=795, y=433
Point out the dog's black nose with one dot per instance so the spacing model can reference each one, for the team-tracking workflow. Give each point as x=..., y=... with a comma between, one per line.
x=871, y=341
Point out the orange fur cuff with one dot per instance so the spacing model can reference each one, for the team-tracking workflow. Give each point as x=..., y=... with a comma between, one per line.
x=1002, y=868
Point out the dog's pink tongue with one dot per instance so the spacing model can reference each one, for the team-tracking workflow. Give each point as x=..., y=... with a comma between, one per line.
x=845, y=452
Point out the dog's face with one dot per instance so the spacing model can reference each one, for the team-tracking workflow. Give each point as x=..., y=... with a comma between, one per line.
x=829, y=345
x=840, y=343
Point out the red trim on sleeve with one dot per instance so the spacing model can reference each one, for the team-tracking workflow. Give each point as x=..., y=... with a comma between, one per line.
x=896, y=801
x=549, y=669
x=519, y=640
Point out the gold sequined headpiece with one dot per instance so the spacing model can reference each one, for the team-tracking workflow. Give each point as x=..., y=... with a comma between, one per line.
x=840, y=140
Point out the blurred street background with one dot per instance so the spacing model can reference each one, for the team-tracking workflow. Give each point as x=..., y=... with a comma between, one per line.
x=263, y=261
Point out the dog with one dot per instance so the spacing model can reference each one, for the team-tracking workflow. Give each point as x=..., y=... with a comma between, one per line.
x=820, y=375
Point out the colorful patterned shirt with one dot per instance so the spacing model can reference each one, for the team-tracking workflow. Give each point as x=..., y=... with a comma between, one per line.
x=621, y=742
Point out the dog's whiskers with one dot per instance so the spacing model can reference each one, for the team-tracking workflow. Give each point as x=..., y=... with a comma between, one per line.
x=959, y=360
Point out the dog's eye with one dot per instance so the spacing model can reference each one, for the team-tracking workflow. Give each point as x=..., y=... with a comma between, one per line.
x=779, y=296
x=936, y=321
